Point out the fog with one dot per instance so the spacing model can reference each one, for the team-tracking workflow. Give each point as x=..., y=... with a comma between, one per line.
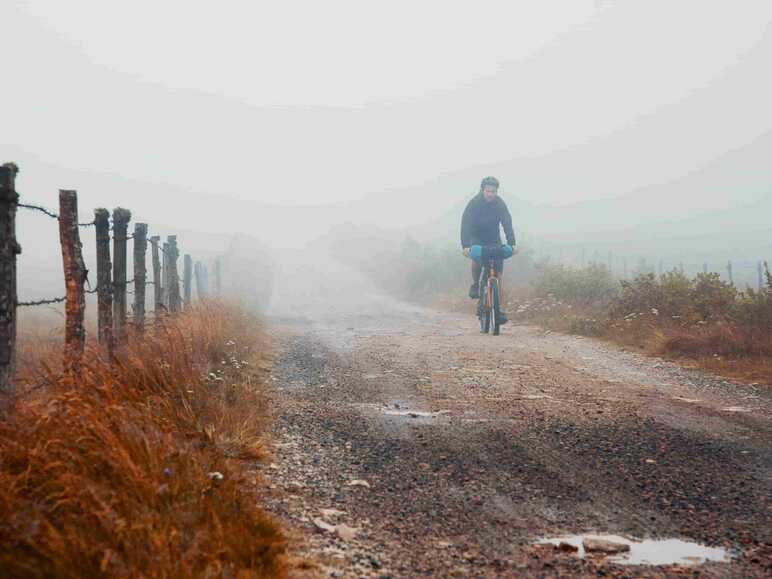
x=642, y=129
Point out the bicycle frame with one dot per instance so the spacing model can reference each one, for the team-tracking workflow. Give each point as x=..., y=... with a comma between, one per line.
x=490, y=292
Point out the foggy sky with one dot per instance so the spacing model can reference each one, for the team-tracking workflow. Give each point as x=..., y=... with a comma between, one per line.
x=309, y=103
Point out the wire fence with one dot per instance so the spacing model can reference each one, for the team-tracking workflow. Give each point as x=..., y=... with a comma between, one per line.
x=739, y=272
x=112, y=287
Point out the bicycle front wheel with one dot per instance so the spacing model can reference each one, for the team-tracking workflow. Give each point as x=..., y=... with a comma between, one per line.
x=483, y=311
x=495, y=309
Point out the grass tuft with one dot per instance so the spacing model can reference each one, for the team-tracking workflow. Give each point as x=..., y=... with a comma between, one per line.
x=114, y=473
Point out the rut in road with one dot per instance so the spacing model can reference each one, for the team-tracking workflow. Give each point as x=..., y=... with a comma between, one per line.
x=474, y=446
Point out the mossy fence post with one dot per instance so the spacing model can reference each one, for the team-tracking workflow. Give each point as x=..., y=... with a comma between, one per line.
x=9, y=249
x=187, y=275
x=173, y=291
x=140, y=275
x=104, y=279
x=157, y=283
x=121, y=218
x=165, y=275
x=74, y=279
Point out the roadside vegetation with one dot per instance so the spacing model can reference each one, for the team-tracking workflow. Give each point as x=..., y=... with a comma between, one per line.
x=140, y=466
x=702, y=320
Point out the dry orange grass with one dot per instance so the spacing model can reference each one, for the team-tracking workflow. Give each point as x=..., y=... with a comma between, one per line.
x=730, y=349
x=115, y=473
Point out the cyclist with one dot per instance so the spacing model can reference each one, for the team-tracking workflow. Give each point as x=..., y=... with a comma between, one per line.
x=483, y=216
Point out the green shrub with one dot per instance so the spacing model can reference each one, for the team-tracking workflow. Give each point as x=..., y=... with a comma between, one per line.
x=754, y=308
x=642, y=294
x=589, y=286
x=675, y=295
x=711, y=297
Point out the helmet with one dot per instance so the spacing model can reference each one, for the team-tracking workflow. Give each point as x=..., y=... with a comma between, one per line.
x=492, y=181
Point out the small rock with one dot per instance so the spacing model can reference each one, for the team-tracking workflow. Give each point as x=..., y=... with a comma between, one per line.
x=345, y=532
x=324, y=525
x=216, y=476
x=359, y=483
x=331, y=513
x=604, y=546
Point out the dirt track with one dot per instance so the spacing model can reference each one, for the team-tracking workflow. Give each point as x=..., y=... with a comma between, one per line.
x=528, y=435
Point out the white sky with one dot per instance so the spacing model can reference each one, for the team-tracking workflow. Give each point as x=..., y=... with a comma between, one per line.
x=308, y=52
x=301, y=102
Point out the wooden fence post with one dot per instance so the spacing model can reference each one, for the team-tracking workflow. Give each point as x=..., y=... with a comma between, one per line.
x=157, y=287
x=201, y=280
x=140, y=274
x=104, y=279
x=173, y=290
x=121, y=218
x=9, y=249
x=165, y=274
x=74, y=277
x=760, y=271
x=217, y=276
x=197, y=275
x=187, y=275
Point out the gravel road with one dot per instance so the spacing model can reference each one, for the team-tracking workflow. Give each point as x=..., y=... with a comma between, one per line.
x=407, y=444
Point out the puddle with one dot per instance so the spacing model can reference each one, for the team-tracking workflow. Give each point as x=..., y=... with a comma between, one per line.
x=411, y=413
x=402, y=410
x=687, y=400
x=648, y=551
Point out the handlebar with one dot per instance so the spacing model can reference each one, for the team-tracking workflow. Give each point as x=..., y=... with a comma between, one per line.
x=486, y=252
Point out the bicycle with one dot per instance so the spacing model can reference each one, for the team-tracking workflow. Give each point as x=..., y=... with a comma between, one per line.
x=489, y=304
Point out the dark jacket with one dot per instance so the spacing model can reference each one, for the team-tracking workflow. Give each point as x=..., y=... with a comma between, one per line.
x=481, y=220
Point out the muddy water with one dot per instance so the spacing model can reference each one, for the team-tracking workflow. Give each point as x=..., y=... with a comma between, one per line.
x=649, y=551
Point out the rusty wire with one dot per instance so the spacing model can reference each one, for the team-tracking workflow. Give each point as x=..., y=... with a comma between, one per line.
x=49, y=213
x=41, y=302
x=39, y=208
x=45, y=302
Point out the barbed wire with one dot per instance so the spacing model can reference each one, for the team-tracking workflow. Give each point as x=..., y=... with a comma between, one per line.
x=50, y=213
x=41, y=302
x=38, y=208
x=59, y=300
